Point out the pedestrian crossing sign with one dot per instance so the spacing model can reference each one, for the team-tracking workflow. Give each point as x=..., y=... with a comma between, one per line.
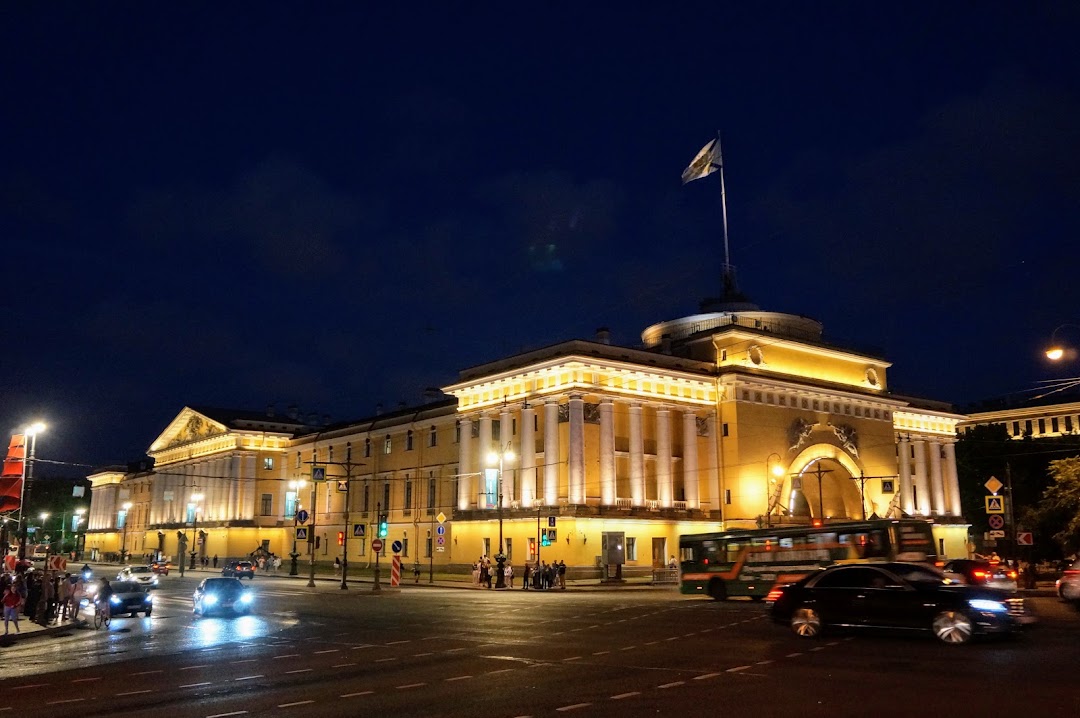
x=995, y=504
x=301, y=533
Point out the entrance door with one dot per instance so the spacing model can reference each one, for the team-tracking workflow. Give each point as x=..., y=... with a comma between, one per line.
x=659, y=552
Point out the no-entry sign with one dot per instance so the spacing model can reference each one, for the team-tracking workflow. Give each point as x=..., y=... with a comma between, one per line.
x=376, y=545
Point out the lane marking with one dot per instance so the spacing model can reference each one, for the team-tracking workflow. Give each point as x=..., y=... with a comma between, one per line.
x=363, y=645
x=297, y=703
x=818, y=648
x=762, y=663
x=288, y=655
x=395, y=643
x=196, y=685
x=600, y=653
x=419, y=655
x=342, y=665
x=625, y=695
x=833, y=643
x=501, y=670
x=456, y=678
x=33, y=685
x=575, y=658
x=384, y=660
x=628, y=648
x=225, y=715
x=651, y=643
x=793, y=655
x=329, y=650
x=736, y=669
x=249, y=678
x=672, y=685
x=133, y=693
x=706, y=675
x=191, y=668
x=573, y=707
x=66, y=700
x=301, y=670
x=84, y=680
x=353, y=695
x=410, y=685
x=236, y=663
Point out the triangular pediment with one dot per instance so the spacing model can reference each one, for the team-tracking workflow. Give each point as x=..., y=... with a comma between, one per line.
x=189, y=425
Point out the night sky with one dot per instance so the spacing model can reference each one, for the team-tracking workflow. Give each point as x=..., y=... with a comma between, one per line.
x=338, y=205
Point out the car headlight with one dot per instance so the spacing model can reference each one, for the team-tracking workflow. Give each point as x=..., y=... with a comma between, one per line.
x=246, y=597
x=988, y=606
x=148, y=598
x=154, y=580
x=114, y=599
x=209, y=599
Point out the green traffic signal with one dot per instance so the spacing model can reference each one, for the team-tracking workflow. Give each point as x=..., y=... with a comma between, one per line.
x=384, y=527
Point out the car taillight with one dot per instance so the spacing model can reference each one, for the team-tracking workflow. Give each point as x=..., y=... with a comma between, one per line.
x=1072, y=572
x=1012, y=575
x=981, y=575
x=774, y=595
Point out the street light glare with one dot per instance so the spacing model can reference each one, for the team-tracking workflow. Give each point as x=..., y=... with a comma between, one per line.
x=127, y=505
x=1055, y=353
x=36, y=428
x=777, y=470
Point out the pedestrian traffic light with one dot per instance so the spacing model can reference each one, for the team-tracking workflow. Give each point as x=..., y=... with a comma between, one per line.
x=544, y=540
x=384, y=526
x=340, y=538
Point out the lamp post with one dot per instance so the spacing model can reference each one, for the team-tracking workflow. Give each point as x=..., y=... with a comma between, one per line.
x=123, y=548
x=195, y=499
x=500, y=459
x=29, y=434
x=772, y=473
x=311, y=537
x=81, y=513
x=295, y=485
x=44, y=516
x=1056, y=351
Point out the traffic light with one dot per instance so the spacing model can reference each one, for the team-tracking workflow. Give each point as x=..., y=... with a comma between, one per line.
x=544, y=540
x=340, y=538
x=384, y=526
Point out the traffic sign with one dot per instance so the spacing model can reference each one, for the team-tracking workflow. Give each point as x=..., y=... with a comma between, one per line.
x=440, y=540
x=1024, y=538
x=995, y=504
x=358, y=530
x=551, y=521
x=342, y=485
x=302, y=516
x=996, y=521
x=59, y=563
x=441, y=518
x=376, y=545
x=318, y=473
x=301, y=533
x=396, y=547
x=993, y=485
x=997, y=534
x=440, y=529
x=440, y=549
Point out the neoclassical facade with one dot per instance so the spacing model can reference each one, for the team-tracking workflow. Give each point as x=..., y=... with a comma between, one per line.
x=735, y=417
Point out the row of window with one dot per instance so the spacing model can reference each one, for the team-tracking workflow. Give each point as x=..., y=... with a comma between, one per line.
x=266, y=504
x=814, y=404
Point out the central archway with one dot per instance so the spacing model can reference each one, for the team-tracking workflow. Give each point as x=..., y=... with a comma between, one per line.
x=821, y=485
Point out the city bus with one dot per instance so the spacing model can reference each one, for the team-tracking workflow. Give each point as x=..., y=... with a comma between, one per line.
x=752, y=562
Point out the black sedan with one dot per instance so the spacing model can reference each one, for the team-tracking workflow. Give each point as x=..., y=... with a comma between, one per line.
x=221, y=595
x=130, y=597
x=904, y=596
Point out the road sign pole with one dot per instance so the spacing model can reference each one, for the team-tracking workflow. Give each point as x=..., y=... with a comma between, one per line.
x=376, y=546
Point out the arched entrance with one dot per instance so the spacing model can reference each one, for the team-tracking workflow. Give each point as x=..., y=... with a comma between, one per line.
x=821, y=485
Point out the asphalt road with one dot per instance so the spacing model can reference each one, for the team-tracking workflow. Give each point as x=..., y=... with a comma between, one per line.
x=453, y=652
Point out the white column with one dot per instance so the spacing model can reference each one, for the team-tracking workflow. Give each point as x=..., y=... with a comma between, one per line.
x=936, y=487
x=607, y=452
x=664, y=480
x=506, y=436
x=247, y=495
x=576, y=469
x=922, y=481
x=907, y=501
x=637, y=457
x=466, y=480
x=690, y=460
x=952, y=481
x=714, y=465
x=551, y=451
x=482, y=451
x=528, y=456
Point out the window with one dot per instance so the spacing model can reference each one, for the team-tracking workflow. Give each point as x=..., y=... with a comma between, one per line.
x=727, y=496
x=487, y=547
x=1054, y=425
x=408, y=440
x=457, y=433
x=367, y=448
x=268, y=463
x=509, y=550
x=723, y=355
x=1027, y=427
x=1042, y=426
x=367, y=498
x=387, y=445
x=854, y=577
x=725, y=429
x=267, y=507
x=631, y=549
x=405, y=546
x=330, y=454
x=190, y=518
x=1068, y=424
x=433, y=437
x=496, y=430
x=431, y=493
x=290, y=504
x=121, y=516
x=408, y=495
x=298, y=460
x=348, y=453
x=1016, y=428
x=386, y=497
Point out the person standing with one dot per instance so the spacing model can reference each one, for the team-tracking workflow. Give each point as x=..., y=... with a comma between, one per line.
x=215, y=560
x=63, y=598
x=562, y=574
x=508, y=574
x=11, y=602
x=525, y=578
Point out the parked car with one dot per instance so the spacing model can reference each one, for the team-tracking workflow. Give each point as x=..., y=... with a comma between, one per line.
x=898, y=596
x=130, y=597
x=221, y=595
x=161, y=566
x=239, y=569
x=982, y=573
x=1068, y=586
x=143, y=575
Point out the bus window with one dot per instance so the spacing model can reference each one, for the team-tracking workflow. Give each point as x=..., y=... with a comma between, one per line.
x=787, y=543
x=686, y=553
x=713, y=551
x=734, y=548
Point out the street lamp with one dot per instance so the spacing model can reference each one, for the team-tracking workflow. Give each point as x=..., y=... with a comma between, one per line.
x=44, y=531
x=499, y=459
x=1056, y=351
x=123, y=547
x=772, y=473
x=30, y=433
x=80, y=512
x=195, y=499
x=295, y=485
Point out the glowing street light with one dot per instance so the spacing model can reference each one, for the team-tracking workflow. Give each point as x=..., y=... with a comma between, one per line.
x=30, y=434
x=1056, y=351
x=773, y=472
x=123, y=548
x=195, y=499
x=500, y=459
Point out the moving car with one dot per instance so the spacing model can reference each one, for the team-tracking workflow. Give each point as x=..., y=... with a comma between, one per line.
x=161, y=566
x=239, y=569
x=130, y=597
x=1068, y=586
x=221, y=595
x=895, y=595
x=982, y=573
x=143, y=575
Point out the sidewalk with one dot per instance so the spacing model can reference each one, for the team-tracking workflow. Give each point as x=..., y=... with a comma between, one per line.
x=29, y=629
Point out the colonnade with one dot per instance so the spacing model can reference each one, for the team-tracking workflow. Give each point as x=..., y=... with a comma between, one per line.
x=227, y=485
x=932, y=488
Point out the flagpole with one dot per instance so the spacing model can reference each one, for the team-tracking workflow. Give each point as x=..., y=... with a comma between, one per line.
x=723, y=203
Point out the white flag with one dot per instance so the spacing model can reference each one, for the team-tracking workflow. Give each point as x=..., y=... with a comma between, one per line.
x=707, y=161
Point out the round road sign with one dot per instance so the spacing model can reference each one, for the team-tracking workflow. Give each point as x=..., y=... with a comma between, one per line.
x=996, y=521
x=396, y=547
x=376, y=545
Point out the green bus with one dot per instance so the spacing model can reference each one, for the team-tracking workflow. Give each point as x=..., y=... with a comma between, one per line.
x=753, y=562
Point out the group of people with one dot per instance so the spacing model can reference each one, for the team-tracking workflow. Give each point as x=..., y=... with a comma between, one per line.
x=44, y=597
x=543, y=576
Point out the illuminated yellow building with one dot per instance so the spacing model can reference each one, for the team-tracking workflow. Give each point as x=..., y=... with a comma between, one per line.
x=735, y=417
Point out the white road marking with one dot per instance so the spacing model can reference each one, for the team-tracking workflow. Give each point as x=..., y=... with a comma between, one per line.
x=191, y=668
x=573, y=707
x=66, y=700
x=625, y=695
x=247, y=660
x=384, y=660
x=793, y=655
x=600, y=653
x=411, y=685
x=133, y=693
x=671, y=685
x=353, y=695
x=288, y=655
x=328, y=650
x=501, y=670
x=196, y=685
x=225, y=715
x=575, y=658
x=651, y=643
x=817, y=648
x=84, y=680
x=420, y=655
x=456, y=678
x=342, y=665
x=706, y=675
x=736, y=669
x=762, y=663
x=628, y=648
x=297, y=703
x=249, y=678
x=394, y=643
x=301, y=670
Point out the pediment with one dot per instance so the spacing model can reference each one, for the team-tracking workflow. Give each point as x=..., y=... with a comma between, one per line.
x=189, y=425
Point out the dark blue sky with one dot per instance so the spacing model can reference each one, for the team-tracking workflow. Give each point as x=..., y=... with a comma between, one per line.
x=337, y=207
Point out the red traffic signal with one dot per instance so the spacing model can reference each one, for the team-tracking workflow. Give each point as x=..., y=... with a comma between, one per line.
x=340, y=538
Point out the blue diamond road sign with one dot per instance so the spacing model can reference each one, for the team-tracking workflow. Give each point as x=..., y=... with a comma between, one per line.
x=302, y=516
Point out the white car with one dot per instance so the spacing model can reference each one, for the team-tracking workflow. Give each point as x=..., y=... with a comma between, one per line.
x=1068, y=586
x=142, y=575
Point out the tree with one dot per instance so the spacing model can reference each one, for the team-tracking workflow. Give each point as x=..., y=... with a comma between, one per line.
x=1060, y=504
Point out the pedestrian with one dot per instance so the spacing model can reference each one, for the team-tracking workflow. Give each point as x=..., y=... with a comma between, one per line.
x=215, y=560
x=508, y=574
x=476, y=573
x=672, y=563
x=416, y=572
x=11, y=602
x=337, y=565
x=525, y=578
x=562, y=574
x=64, y=598
x=78, y=593
x=277, y=563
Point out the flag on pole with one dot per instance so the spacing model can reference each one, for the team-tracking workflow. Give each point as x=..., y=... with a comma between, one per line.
x=707, y=161
x=12, y=476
